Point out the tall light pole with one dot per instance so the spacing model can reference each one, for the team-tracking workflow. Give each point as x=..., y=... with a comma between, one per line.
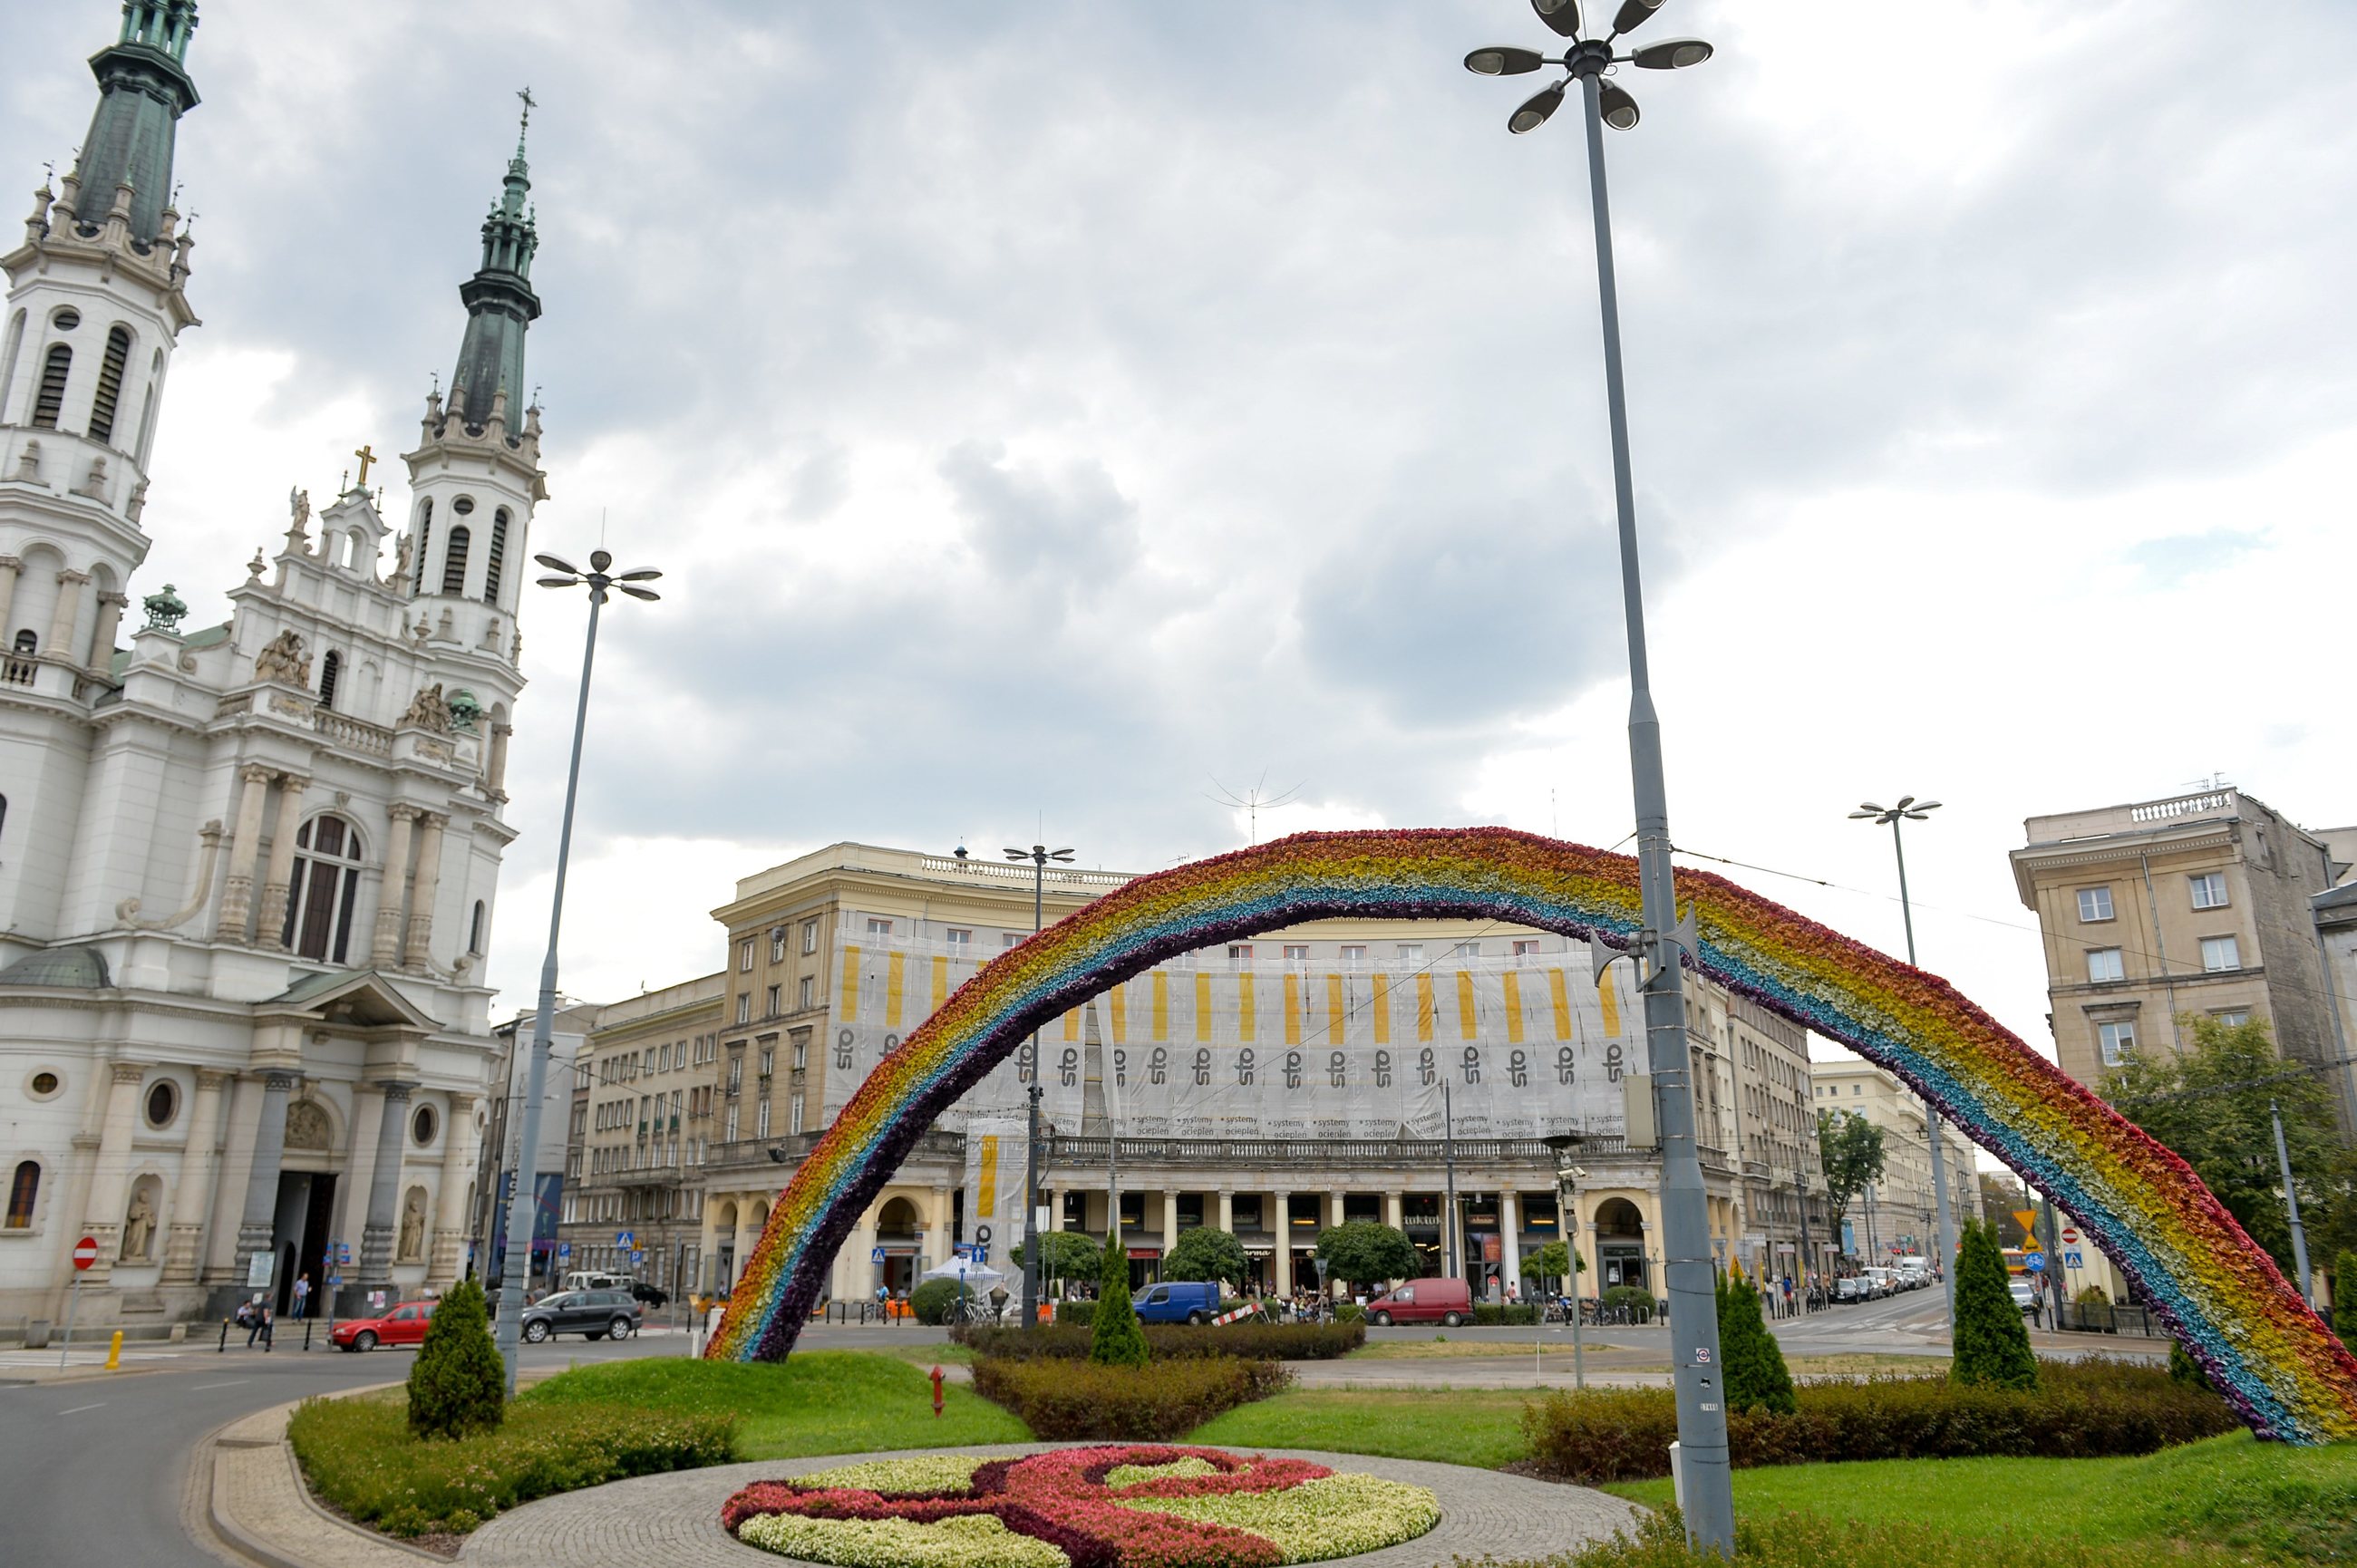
x=1567, y=1177
x=1660, y=942
x=563, y=573
x=1039, y=855
x=1910, y=809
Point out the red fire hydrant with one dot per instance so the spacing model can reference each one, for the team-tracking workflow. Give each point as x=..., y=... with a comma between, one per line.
x=937, y=1391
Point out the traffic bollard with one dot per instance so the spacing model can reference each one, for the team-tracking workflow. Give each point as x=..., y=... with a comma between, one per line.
x=307, y=1333
x=224, y=1339
x=114, y=1353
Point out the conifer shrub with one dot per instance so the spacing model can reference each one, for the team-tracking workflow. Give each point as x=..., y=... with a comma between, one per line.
x=1992, y=1347
x=933, y=1301
x=457, y=1386
x=1754, y=1371
x=1115, y=1337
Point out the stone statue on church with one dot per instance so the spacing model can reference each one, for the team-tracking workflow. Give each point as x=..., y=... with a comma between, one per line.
x=428, y=710
x=298, y=508
x=138, y=1227
x=413, y=1227
x=283, y=659
x=401, y=558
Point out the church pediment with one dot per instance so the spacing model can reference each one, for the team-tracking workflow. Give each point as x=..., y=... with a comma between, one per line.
x=352, y=998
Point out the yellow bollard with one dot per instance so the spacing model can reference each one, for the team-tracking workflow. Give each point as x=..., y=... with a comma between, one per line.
x=114, y=1353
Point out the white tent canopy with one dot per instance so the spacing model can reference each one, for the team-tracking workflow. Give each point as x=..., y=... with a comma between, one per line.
x=978, y=1276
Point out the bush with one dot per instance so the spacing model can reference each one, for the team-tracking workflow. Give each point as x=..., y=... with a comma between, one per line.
x=1243, y=1340
x=458, y=1385
x=1115, y=1338
x=358, y=1455
x=2087, y=1410
x=1754, y=1364
x=1064, y=1399
x=1992, y=1345
x=1634, y=1296
x=1488, y=1315
x=933, y=1301
x=1075, y=1315
x=1350, y=1313
x=1658, y=1540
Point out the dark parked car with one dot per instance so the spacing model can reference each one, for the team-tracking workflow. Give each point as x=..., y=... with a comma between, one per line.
x=593, y=1314
x=652, y=1295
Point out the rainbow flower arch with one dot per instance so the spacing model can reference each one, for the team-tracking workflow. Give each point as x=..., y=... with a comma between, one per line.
x=2220, y=1293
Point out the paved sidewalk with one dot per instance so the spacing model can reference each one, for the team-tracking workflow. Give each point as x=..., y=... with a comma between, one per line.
x=674, y=1520
x=260, y=1508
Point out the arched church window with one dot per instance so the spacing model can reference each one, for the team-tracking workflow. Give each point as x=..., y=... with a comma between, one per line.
x=8, y=360
x=454, y=563
x=330, y=669
x=22, y=1191
x=26, y=643
x=147, y=410
x=50, y=399
x=475, y=931
x=498, y=556
x=425, y=539
x=327, y=881
x=110, y=385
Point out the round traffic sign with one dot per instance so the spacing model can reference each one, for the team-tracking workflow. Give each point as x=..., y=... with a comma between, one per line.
x=85, y=1253
x=2070, y=1237
x=982, y=1235
x=2034, y=1262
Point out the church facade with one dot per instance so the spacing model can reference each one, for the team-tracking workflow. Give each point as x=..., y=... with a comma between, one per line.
x=248, y=871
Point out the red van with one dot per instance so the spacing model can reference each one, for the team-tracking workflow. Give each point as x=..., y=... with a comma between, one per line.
x=1446, y=1302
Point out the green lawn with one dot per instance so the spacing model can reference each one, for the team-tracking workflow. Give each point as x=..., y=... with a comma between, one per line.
x=2260, y=1500
x=1455, y=1426
x=819, y=1402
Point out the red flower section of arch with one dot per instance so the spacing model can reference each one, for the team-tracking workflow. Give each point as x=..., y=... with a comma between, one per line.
x=1061, y=1499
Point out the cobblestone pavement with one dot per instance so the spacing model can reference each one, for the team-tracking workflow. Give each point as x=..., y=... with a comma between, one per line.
x=674, y=1520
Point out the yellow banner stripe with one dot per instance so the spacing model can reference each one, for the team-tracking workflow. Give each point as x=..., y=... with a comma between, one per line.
x=1333, y=1009
x=1161, y=1005
x=1610, y=1000
x=1246, y=1002
x=1382, y=1006
x=1560, y=999
x=940, y=980
x=1292, y=1008
x=1513, y=988
x=1119, y=997
x=1202, y=1009
x=1469, y=1022
x=895, y=965
x=1424, y=1008
x=850, y=983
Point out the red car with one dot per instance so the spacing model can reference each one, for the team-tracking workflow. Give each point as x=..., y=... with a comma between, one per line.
x=402, y=1325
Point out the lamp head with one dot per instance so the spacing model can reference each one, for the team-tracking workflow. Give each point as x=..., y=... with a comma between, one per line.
x=1560, y=15
x=1536, y=110
x=1671, y=54
x=1619, y=109
x=1501, y=59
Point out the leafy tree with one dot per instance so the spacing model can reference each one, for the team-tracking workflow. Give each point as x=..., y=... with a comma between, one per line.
x=1207, y=1254
x=1850, y=1149
x=2210, y=1105
x=1063, y=1255
x=1552, y=1261
x=2344, y=1298
x=933, y=1301
x=458, y=1385
x=1992, y=1345
x=1115, y=1337
x=1752, y=1362
x=1365, y=1254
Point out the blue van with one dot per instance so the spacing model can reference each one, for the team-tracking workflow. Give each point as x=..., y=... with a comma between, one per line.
x=1181, y=1301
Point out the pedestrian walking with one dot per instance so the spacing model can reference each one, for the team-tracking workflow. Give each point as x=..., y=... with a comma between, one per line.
x=302, y=1293
x=251, y=1314
x=265, y=1327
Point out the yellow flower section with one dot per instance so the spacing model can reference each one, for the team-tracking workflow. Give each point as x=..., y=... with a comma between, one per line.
x=1122, y=1476
x=925, y=1473
x=975, y=1541
x=1340, y=1515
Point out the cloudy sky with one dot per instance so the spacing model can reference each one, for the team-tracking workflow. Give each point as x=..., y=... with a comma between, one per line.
x=1045, y=410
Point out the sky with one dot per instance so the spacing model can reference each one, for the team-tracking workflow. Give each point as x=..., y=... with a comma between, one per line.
x=1052, y=418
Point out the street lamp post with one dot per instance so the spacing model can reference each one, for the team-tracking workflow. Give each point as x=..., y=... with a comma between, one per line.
x=521, y=1206
x=1039, y=855
x=1910, y=809
x=1567, y=1177
x=1659, y=941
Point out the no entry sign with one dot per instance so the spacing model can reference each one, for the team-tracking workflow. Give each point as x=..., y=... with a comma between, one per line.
x=85, y=1251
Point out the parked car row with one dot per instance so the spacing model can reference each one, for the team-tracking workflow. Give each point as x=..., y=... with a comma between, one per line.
x=592, y=1313
x=1875, y=1283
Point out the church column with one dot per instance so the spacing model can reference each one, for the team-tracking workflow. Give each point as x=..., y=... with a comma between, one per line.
x=111, y=1170
x=416, y=950
x=495, y=776
x=102, y=636
x=385, y=946
x=384, y=1185
x=259, y=1221
x=271, y=928
x=1282, y=1225
x=67, y=619
x=9, y=568
x=193, y=1202
x=244, y=845
x=457, y=1160
x=1510, y=1236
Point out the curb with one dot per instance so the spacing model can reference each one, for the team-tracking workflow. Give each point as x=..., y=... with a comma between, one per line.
x=350, y=1544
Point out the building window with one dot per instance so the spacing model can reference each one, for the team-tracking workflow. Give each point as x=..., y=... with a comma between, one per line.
x=1240, y=955
x=960, y=940
x=1525, y=949
x=743, y=1007
x=777, y=945
x=110, y=385
x=761, y=1120
x=1409, y=952
x=1467, y=950
x=1354, y=955
x=2105, y=963
x=1296, y=952
x=745, y=956
x=2232, y=1018
x=878, y=929
x=769, y=1060
x=2209, y=891
x=2221, y=954
x=808, y=986
x=50, y=399
x=2117, y=1041
x=497, y=557
x=795, y=1115
x=327, y=880
x=454, y=562
x=736, y=1071
x=163, y=1103
x=810, y=936
x=1012, y=939
x=729, y=1134
x=22, y=1191
x=802, y=1049
x=2094, y=904
x=776, y=999
x=330, y=669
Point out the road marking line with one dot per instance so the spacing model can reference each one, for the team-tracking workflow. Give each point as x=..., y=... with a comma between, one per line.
x=231, y=1385
x=79, y=1407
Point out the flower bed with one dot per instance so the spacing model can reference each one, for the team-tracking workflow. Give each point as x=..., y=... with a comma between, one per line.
x=1121, y=1505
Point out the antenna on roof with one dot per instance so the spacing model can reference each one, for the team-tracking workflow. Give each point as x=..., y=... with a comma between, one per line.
x=1252, y=800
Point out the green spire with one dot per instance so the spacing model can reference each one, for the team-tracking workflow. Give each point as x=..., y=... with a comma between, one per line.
x=499, y=301
x=144, y=88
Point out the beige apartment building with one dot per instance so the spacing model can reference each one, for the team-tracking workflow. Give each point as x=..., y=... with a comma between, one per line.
x=1897, y=1214
x=2197, y=904
x=1344, y=1070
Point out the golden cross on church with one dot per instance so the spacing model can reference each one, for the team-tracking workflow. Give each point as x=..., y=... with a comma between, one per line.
x=367, y=455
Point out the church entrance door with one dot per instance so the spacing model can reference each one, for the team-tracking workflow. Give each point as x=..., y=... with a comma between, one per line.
x=306, y=1218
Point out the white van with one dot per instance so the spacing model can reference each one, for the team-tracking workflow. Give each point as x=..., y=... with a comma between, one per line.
x=591, y=1279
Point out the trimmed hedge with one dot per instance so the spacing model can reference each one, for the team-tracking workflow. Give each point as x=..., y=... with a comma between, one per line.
x=1075, y=1315
x=1491, y=1315
x=2084, y=1411
x=1243, y=1340
x=1063, y=1398
x=1658, y=1540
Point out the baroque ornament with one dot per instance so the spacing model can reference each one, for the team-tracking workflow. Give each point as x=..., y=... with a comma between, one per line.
x=1121, y=1505
x=2220, y=1295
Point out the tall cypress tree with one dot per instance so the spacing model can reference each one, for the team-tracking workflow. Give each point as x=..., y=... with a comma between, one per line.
x=1755, y=1373
x=1992, y=1345
x=1115, y=1339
